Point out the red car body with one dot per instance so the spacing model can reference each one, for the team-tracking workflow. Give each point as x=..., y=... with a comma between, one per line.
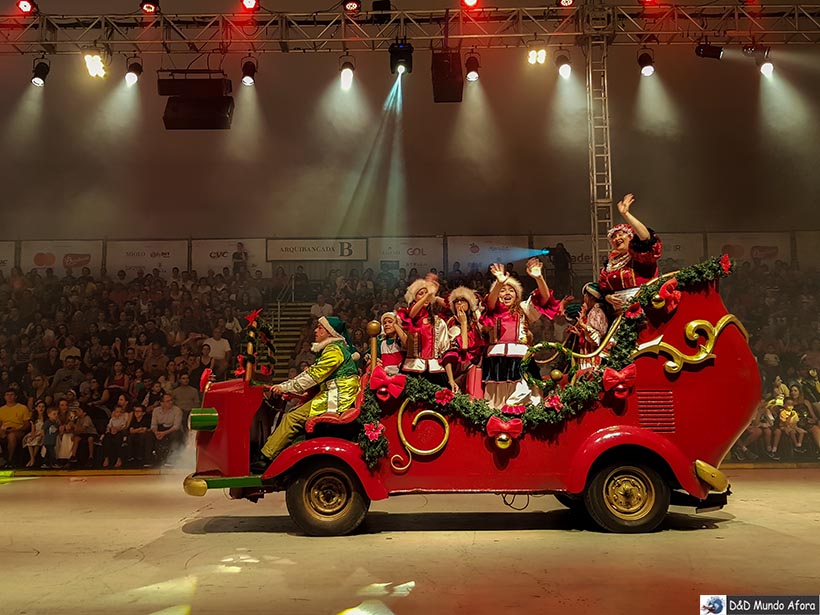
x=679, y=423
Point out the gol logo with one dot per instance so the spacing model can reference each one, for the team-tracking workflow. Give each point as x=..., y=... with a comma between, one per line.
x=415, y=252
x=76, y=260
x=216, y=254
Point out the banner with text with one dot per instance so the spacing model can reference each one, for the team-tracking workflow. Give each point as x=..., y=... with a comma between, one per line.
x=477, y=252
x=214, y=254
x=393, y=253
x=317, y=250
x=749, y=247
x=808, y=250
x=133, y=256
x=681, y=250
x=6, y=257
x=61, y=255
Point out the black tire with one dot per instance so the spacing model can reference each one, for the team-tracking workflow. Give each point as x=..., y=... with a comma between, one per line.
x=574, y=502
x=326, y=499
x=627, y=498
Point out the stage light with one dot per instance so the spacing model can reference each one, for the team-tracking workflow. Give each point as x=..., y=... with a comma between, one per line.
x=250, y=6
x=249, y=69
x=149, y=8
x=562, y=61
x=352, y=7
x=469, y=4
x=538, y=56
x=28, y=7
x=40, y=72
x=94, y=64
x=346, y=68
x=765, y=65
x=472, y=65
x=565, y=3
x=705, y=50
x=134, y=71
x=646, y=60
x=401, y=57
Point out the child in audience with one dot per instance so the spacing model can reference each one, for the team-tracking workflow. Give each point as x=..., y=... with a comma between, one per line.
x=33, y=440
x=51, y=432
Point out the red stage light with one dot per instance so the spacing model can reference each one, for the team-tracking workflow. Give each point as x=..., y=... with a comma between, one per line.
x=469, y=4
x=250, y=5
x=352, y=7
x=566, y=3
x=150, y=8
x=27, y=7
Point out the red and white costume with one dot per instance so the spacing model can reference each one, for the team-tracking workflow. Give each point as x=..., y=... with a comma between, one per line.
x=624, y=274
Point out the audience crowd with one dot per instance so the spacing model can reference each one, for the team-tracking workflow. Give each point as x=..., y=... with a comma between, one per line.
x=104, y=371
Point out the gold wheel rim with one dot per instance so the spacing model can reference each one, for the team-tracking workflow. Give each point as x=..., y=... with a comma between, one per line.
x=628, y=493
x=327, y=494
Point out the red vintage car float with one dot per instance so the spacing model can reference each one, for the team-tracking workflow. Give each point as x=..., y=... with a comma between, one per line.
x=621, y=441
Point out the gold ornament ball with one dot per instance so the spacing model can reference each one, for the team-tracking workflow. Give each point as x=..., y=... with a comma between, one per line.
x=503, y=441
x=658, y=302
x=556, y=375
x=374, y=327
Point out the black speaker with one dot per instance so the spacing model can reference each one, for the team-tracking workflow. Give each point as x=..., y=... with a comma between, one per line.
x=201, y=113
x=194, y=87
x=448, y=80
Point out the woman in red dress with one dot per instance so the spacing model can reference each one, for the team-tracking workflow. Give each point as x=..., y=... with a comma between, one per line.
x=633, y=260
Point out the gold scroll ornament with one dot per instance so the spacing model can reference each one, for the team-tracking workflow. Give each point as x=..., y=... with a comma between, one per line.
x=694, y=330
x=396, y=460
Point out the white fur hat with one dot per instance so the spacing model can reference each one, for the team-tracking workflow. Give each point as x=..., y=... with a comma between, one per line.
x=462, y=292
x=512, y=283
x=410, y=295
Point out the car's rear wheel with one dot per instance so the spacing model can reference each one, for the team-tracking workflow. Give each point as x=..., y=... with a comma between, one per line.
x=627, y=498
x=326, y=499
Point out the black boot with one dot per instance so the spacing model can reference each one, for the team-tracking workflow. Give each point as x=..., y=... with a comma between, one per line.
x=260, y=464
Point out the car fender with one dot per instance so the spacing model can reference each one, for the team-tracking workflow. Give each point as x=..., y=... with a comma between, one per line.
x=628, y=435
x=349, y=452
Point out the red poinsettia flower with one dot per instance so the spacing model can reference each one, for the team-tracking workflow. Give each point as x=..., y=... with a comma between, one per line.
x=444, y=397
x=373, y=431
x=513, y=409
x=554, y=402
x=634, y=311
x=725, y=263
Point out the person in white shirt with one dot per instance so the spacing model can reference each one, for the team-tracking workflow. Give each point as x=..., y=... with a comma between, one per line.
x=321, y=308
x=220, y=352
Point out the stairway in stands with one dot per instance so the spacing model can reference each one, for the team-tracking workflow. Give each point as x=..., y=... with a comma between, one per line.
x=293, y=318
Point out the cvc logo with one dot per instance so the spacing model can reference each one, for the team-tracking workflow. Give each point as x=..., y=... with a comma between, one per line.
x=216, y=254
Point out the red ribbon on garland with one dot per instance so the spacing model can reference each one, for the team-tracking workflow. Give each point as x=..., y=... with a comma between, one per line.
x=620, y=382
x=385, y=385
x=513, y=428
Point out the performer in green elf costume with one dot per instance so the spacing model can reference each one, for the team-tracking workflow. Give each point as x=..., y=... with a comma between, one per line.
x=335, y=373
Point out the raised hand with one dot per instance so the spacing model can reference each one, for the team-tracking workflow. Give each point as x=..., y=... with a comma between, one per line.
x=498, y=271
x=461, y=314
x=534, y=267
x=625, y=204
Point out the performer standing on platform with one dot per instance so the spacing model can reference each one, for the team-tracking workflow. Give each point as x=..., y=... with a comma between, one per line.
x=633, y=260
x=506, y=319
x=427, y=337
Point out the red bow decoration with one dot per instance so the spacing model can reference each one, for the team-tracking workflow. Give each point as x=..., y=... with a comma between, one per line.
x=513, y=428
x=251, y=318
x=240, y=371
x=620, y=382
x=265, y=370
x=670, y=295
x=387, y=386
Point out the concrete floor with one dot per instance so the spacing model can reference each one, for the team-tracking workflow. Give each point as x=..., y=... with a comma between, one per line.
x=139, y=545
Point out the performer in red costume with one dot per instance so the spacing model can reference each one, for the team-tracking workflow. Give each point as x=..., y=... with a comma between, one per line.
x=633, y=260
x=507, y=318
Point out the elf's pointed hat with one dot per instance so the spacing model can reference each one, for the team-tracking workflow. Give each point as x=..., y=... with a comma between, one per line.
x=338, y=330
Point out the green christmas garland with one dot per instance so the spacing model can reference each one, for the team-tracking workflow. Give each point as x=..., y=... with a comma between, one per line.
x=555, y=407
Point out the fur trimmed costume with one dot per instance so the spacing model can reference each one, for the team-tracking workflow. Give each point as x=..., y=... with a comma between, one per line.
x=624, y=273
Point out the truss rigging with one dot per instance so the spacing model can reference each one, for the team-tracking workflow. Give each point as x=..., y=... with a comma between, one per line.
x=491, y=28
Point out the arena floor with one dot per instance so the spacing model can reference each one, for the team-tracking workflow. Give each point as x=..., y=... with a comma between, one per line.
x=139, y=545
